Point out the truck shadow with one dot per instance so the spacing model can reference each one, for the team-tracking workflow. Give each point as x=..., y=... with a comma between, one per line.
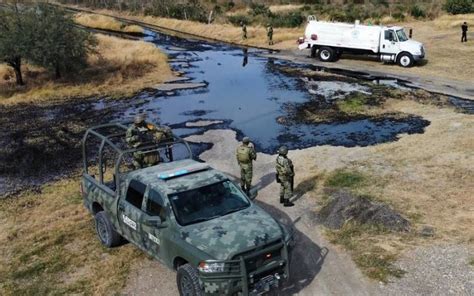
x=307, y=258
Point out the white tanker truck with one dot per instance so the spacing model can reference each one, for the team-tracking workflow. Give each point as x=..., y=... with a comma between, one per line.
x=329, y=40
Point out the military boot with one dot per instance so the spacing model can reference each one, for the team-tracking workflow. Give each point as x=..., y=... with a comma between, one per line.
x=282, y=199
x=288, y=203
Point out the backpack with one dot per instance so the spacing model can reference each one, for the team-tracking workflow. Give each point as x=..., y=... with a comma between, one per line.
x=243, y=154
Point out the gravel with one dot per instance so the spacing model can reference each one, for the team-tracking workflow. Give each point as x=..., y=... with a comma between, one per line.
x=435, y=270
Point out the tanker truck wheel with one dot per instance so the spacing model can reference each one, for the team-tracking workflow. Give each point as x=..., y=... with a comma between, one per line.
x=326, y=54
x=405, y=60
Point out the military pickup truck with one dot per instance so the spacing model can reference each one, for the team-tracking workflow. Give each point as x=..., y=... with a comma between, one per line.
x=187, y=215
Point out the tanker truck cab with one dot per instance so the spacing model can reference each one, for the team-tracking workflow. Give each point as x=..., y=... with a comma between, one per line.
x=328, y=40
x=395, y=46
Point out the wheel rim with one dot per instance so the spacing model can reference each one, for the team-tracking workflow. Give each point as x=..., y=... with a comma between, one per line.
x=325, y=55
x=405, y=61
x=102, y=230
x=186, y=286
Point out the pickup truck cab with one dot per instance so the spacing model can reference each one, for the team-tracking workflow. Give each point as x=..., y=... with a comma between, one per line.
x=187, y=215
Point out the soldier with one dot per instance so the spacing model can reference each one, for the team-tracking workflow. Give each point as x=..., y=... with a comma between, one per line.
x=244, y=31
x=464, y=32
x=270, y=34
x=284, y=175
x=142, y=133
x=245, y=154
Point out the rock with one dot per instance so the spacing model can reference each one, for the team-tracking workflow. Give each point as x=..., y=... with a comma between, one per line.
x=427, y=231
x=345, y=206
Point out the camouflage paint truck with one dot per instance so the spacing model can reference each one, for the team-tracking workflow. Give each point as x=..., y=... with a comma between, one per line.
x=187, y=215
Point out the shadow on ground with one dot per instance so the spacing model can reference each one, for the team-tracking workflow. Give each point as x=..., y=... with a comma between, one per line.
x=307, y=258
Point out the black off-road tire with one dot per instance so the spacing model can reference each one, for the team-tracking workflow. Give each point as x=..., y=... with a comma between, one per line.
x=405, y=60
x=326, y=54
x=106, y=231
x=188, y=281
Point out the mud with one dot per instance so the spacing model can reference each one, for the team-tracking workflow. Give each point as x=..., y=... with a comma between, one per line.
x=344, y=207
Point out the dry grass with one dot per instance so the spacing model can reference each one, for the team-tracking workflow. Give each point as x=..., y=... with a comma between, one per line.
x=48, y=246
x=285, y=8
x=121, y=68
x=105, y=23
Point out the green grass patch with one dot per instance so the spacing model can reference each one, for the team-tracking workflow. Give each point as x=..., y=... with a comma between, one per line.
x=374, y=261
x=345, y=179
x=353, y=104
x=471, y=261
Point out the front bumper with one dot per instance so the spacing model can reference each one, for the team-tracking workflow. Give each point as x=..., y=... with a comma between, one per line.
x=419, y=57
x=237, y=278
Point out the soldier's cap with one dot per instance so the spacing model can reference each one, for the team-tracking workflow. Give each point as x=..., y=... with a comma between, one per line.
x=283, y=150
x=139, y=118
x=246, y=140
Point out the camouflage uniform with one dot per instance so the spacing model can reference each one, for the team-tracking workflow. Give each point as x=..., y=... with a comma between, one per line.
x=285, y=174
x=270, y=35
x=245, y=154
x=142, y=133
x=244, y=31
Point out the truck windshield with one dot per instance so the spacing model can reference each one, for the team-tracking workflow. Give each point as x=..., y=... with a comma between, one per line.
x=207, y=203
x=401, y=35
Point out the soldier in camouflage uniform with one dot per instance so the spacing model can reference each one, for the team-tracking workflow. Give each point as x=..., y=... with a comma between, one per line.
x=245, y=154
x=244, y=31
x=141, y=133
x=270, y=34
x=284, y=175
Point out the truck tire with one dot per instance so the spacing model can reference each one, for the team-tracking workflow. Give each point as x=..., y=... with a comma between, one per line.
x=105, y=231
x=405, y=60
x=188, y=281
x=326, y=54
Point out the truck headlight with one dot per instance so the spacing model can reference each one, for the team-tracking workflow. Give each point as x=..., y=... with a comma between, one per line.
x=211, y=267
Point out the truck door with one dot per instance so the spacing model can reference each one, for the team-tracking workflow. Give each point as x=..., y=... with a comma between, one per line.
x=129, y=211
x=155, y=225
x=389, y=44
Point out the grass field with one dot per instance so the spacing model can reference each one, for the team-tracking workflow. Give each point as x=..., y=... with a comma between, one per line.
x=105, y=23
x=120, y=68
x=48, y=246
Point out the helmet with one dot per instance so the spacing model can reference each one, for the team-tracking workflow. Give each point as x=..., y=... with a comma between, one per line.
x=246, y=140
x=283, y=150
x=140, y=118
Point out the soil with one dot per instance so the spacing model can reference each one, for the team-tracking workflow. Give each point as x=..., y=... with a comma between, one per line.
x=343, y=207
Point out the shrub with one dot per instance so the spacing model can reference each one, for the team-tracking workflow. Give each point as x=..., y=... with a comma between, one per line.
x=459, y=6
x=288, y=20
x=260, y=9
x=417, y=12
x=229, y=5
x=399, y=16
x=237, y=19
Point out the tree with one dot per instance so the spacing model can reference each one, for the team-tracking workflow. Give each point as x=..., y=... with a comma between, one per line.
x=16, y=33
x=59, y=45
x=459, y=6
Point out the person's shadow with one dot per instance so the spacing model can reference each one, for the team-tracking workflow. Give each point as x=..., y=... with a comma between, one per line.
x=306, y=257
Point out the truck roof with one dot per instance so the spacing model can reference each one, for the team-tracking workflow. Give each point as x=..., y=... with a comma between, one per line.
x=177, y=176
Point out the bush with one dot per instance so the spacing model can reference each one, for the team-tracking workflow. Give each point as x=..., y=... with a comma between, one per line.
x=417, y=12
x=237, y=19
x=229, y=5
x=459, y=6
x=399, y=16
x=288, y=20
x=260, y=9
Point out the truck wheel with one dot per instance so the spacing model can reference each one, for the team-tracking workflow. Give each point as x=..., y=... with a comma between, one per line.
x=188, y=281
x=105, y=230
x=405, y=60
x=326, y=54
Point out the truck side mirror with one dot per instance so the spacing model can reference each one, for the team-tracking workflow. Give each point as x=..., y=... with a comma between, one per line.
x=253, y=193
x=155, y=221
